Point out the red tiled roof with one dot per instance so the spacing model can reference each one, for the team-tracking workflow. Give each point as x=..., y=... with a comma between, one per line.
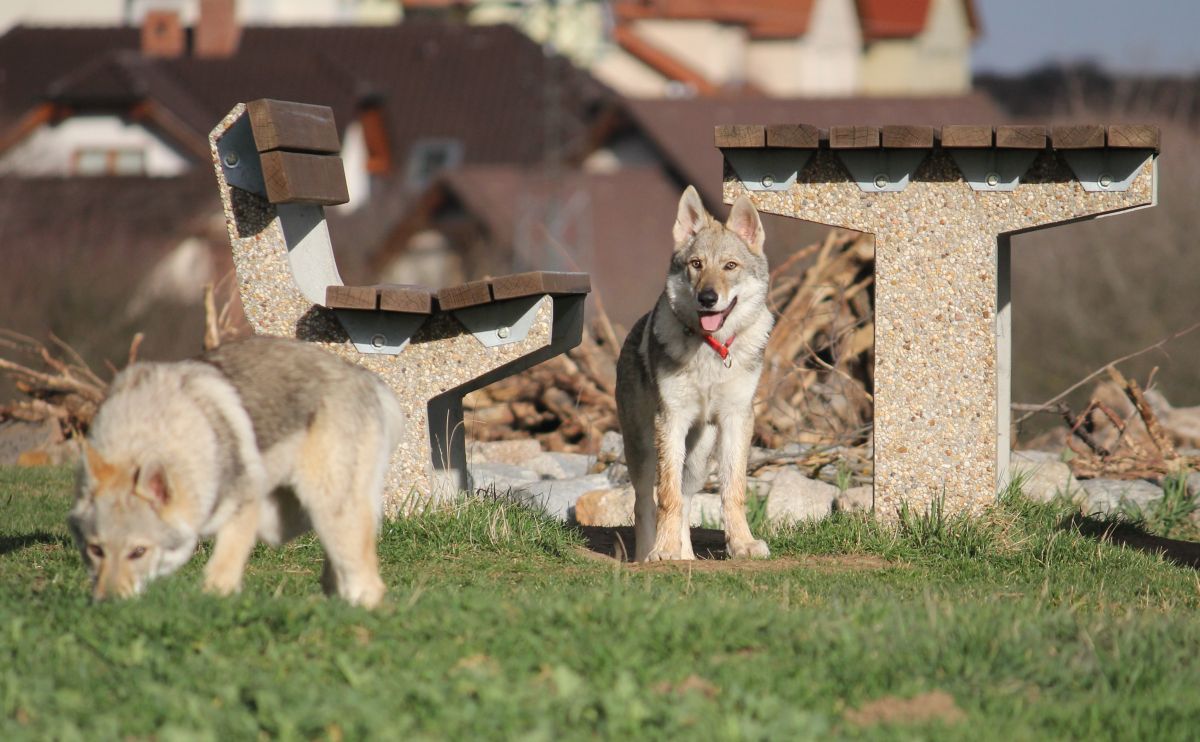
x=895, y=19
x=762, y=18
x=880, y=19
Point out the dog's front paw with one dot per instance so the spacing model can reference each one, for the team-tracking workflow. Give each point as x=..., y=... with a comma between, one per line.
x=215, y=584
x=749, y=549
x=659, y=554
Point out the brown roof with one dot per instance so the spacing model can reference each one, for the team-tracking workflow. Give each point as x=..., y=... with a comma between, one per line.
x=621, y=233
x=75, y=249
x=485, y=86
x=682, y=130
x=892, y=19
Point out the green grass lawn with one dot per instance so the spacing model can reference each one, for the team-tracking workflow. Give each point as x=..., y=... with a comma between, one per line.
x=497, y=626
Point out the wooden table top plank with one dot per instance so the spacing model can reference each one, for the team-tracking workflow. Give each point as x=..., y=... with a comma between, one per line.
x=853, y=137
x=740, y=135
x=1077, y=136
x=793, y=136
x=956, y=136
x=907, y=137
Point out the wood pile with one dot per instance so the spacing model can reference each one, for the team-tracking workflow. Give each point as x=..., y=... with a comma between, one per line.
x=1123, y=434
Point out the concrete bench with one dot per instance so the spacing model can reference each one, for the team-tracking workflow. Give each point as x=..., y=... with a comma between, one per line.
x=277, y=169
x=942, y=205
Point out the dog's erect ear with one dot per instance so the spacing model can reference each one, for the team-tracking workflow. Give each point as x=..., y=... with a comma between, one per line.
x=98, y=470
x=150, y=484
x=744, y=222
x=691, y=217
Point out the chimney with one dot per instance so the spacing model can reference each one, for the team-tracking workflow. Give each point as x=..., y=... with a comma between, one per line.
x=217, y=32
x=162, y=34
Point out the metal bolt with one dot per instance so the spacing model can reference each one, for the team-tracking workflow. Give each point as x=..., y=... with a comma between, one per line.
x=768, y=180
x=502, y=332
x=992, y=179
x=231, y=159
x=881, y=181
x=379, y=341
x=1105, y=180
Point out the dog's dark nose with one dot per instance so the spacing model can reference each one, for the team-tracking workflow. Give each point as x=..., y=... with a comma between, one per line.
x=707, y=298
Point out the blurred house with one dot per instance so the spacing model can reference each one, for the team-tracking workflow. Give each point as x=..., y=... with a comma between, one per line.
x=613, y=215
x=90, y=113
x=788, y=48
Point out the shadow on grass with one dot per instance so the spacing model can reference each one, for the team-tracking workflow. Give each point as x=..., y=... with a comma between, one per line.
x=1176, y=551
x=618, y=541
x=9, y=544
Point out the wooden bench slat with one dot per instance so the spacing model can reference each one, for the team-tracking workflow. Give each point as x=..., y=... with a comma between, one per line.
x=907, y=137
x=387, y=297
x=793, y=136
x=741, y=135
x=960, y=136
x=465, y=295
x=281, y=124
x=1021, y=137
x=540, y=282
x=395, y=297
x=853, y=137
x=1133, y=136
x=1078, y=136
x=295, y=177
x=351, y=297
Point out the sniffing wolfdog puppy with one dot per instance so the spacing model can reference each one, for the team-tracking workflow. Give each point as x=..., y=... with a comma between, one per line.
x=263, y=438
x=686, y=379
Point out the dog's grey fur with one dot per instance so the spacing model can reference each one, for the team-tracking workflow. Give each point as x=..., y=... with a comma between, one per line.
x=678, y=402
x=260, y=439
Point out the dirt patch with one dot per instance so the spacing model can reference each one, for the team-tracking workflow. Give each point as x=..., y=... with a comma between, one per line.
x=691, y=684
x=818, y=563
x=846, y=563
x=936, y=705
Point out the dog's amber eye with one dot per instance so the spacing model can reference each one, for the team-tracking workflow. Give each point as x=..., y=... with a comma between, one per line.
x=138, y=552
x=697, y=264
x=730, y=265
x=96, y=551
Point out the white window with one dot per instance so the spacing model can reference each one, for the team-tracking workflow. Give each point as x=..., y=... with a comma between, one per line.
x=94, y=161
x=428, y=157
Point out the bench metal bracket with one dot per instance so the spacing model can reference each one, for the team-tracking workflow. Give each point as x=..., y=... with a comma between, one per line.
x=381, y=333
x=768, y=169
x=500, y=323
x=1106, y=170
x=993, y=169
x=882, y=170
x=239, y=159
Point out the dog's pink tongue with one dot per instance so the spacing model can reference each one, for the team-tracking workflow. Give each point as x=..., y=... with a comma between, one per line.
x=711, y=322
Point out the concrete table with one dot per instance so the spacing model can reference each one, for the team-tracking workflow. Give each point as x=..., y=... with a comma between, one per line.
x=942, y=206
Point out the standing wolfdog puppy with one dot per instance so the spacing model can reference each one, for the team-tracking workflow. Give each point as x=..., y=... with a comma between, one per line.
x=686, y=379
x=260, y=439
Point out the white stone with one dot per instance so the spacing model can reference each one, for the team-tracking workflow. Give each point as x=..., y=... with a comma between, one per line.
x=502, y=477
x=794, y=497
x=1043, y=475
x=558, y=496
x=1108, y=496
x=557, y=465
x=859, y=499
x=503, y=452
